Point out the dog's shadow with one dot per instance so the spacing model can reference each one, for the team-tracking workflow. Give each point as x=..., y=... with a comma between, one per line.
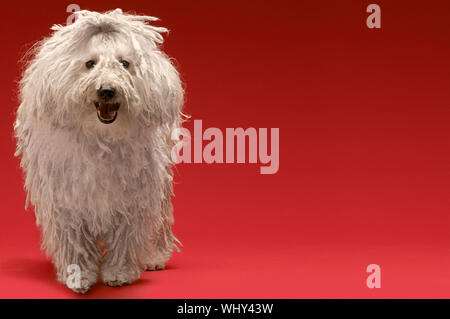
x=29, y=268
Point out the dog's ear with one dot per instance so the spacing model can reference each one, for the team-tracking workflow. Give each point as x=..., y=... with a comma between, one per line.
x=160, y=87
x=46, y=77
x=35, y=87
x=172, y=94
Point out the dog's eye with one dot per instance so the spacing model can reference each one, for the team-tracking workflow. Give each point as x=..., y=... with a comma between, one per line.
x=90, y=64
x=125, y=64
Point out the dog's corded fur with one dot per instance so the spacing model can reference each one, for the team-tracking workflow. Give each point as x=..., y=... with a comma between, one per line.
x=99, y=186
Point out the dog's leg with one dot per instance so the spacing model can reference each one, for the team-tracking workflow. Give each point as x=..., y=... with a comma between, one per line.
x=161, y=248
x=76, y=257
x=119, y=266
x=162, y=241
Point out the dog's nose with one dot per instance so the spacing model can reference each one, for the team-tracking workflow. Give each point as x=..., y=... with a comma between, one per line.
x=106, y=92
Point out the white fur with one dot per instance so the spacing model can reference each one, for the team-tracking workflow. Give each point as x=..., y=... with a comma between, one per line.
x=92, y=182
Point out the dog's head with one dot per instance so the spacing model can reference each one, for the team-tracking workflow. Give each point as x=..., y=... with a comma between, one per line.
x=104, y=73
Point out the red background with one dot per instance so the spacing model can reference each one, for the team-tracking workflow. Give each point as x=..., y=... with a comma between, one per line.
x=364, y=151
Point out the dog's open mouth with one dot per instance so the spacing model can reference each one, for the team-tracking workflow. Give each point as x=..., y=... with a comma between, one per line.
x=107, y=112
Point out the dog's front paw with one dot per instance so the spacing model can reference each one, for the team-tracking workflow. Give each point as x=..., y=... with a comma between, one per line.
x=116, y=276
x=85, y=285
x=79, y=285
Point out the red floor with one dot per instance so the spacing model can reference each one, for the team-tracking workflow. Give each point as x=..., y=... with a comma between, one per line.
x=249, y=272
x=260, y=256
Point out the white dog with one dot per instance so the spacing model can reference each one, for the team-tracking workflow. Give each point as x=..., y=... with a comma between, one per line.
x=99, y=101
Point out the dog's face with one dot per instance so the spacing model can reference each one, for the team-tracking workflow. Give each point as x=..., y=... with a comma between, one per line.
x=105, y=74
x=109, y=76
x=107, y=82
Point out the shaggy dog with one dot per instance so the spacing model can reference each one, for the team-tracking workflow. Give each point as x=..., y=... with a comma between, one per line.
x=99, y=101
